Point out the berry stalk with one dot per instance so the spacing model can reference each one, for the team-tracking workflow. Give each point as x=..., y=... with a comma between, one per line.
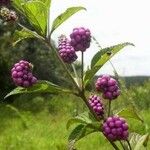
x=129, y=145
x=83, y=97
x=63, y=64
x=82, y=70
x=76, y=75
x=122, y=145
x=109, y=108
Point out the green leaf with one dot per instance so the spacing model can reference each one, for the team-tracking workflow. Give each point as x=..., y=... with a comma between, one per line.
x=130, y=112
x=76, y=133
x=73, y=121
x=36, y=13
x=64, y=16
x=18, y=36
x=81, y=131
x=18, y=5
x=141, y=142
x=83, y=118
x=40, y=87
x=25, y=33
x=101, y=58
x=47, y=3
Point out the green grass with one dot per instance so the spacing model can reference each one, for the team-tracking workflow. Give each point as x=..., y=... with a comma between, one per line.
x=43, y=131
x=41, y=125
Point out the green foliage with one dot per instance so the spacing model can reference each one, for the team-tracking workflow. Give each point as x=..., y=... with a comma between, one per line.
x=36, y=12
x=85, y=127
x=21, y=35
x=81, y=131
x=18, y=5
x=101, y=58
x=141, y=141
x=138, y=142
x=64, y=16
x=46, y=66
x=40, y=87
x=130, y=113
x=46, y=129
x=83, y=118
x=23, y=119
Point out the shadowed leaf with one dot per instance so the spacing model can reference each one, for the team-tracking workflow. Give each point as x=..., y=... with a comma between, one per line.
x=40, y=87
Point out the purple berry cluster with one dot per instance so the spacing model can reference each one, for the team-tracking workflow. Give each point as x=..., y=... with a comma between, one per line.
x=12, y=16
x=115, y=128
x=22, y=74
x=97, y=105
x=66, y=51
x=4, y=2
x=8, y=15
x=80, y=39
x=109, y=87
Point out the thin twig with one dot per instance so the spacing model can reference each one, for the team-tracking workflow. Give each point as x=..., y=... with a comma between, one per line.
x=64, y=66
x=122, y=145
x=114, y=145
x=75, y=73
x=82, y=95
x=109, y=107
x=82, y=69
x=129, y=145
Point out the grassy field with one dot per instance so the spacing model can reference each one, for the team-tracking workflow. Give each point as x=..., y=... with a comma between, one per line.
x=40, y=123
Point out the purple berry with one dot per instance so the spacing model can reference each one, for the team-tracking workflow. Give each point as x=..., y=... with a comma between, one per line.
x=26, y=83
x=80, y=39
x=12, y=16
x=4, y=2
x=66, y=51
x=97, y=105
x=115, y=128
x=108, y=86
x=22, y=75
x=34, y=80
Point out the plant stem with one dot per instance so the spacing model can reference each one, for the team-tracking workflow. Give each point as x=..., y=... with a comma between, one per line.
x=114, y=145
x=82, y=70
x=82, y=95
x=97, y=43
x=129, y=145
x=63, y=65
x=122, y=145
x=32, y=32
x=75, y=73
x=109, y=107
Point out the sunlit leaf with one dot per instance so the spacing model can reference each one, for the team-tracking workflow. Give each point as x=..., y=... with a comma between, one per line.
x=140, y=143
x=18, y=5
x=36, y=13
x=101, y=58
x=47, y=3
x=64, y=16
x=130, y=112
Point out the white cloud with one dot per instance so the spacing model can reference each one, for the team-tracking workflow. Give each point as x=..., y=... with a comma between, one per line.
x=112, y=22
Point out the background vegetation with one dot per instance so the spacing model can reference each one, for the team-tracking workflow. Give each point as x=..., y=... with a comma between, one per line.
x=35, y=122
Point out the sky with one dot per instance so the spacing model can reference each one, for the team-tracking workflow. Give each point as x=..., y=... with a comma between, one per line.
x=112, y=22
